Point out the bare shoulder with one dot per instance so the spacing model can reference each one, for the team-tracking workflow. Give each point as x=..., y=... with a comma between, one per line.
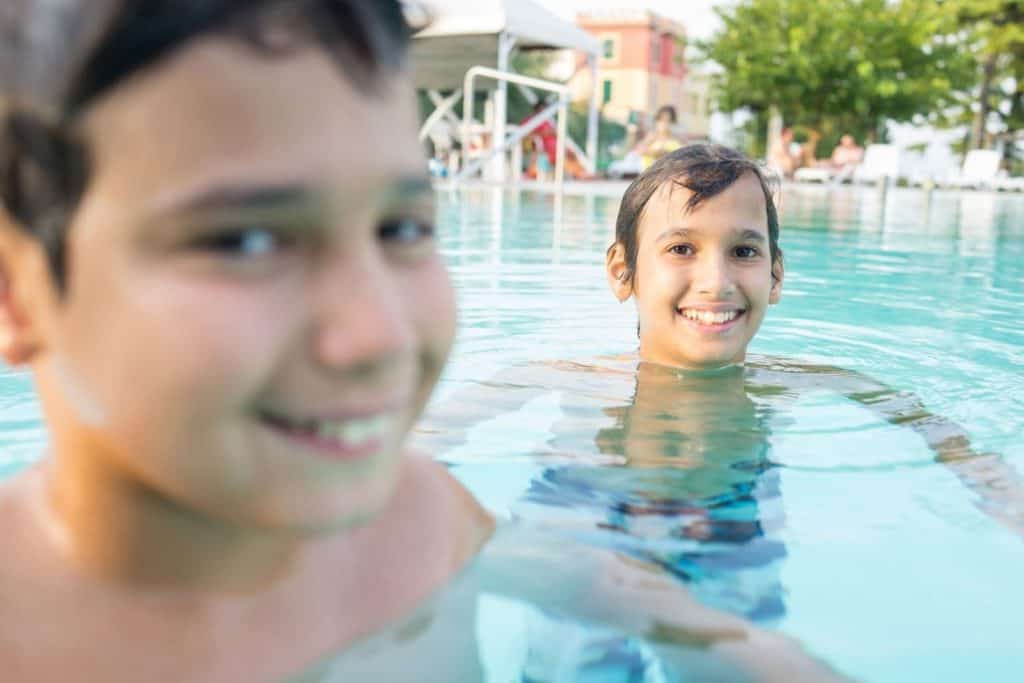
x=460, y=515
x=429, y=531
x=27, y=586
x=18, y=528
x=801, y=376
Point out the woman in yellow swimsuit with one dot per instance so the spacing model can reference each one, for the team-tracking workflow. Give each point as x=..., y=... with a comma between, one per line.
x=662, y=139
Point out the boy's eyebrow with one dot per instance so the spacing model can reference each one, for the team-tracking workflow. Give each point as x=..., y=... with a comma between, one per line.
x=752, y=235
x=269, y=196
x=228, y=197
x=744, y=234
x=410, y=187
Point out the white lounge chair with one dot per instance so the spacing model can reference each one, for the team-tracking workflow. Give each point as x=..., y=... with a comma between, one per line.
x=629, y=166
x=814, y=174
x=935, y=165
x=1015, y=184
x=879, y=161
x=980, y=170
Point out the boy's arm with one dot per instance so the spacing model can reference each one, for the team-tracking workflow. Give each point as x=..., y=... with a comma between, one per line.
x=999, y=484
x=444, y=426
x=590, y=584
x=642, y=146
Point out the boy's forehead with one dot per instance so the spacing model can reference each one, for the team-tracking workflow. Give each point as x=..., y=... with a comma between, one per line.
x=744, y=197
x=218, y=113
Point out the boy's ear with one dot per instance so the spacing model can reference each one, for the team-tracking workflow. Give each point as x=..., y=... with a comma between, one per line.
x=19, y=339
x=778, y=275
x=618, y=272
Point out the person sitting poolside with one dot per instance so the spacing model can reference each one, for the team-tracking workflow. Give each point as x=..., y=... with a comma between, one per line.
x=231, y=332
x=782, y=158
x=847, y=154
x=661, y=140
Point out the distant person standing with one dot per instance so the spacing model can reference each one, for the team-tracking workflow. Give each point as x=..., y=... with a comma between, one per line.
x=661, y=140
x=781, y=156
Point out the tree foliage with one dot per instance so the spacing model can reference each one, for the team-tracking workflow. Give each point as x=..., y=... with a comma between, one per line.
x=843, y=65
x=995, y=32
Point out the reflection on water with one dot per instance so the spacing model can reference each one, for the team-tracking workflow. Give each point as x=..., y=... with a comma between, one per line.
x=692, y=489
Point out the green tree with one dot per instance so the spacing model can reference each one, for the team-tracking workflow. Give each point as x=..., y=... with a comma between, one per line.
x=995, y=30
x=839, y=66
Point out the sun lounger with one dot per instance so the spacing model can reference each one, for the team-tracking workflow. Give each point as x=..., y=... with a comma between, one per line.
x=813, y=174
x=879, y=161
x=1010, y=184
x=980, y=170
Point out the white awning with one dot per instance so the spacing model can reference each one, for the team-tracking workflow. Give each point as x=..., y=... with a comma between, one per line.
x=464, y=33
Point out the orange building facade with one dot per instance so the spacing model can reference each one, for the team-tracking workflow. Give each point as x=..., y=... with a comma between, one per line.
x=642, y=67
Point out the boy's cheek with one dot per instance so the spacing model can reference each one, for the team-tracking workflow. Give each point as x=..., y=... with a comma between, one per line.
x=433, y=308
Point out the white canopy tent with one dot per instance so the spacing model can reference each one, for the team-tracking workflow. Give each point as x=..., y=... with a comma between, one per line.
x=468, y=33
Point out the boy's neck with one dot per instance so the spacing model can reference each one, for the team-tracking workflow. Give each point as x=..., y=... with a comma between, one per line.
x=113, y=527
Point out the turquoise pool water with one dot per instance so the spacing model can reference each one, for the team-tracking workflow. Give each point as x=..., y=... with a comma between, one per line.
x=770, y=494
x=805, y=510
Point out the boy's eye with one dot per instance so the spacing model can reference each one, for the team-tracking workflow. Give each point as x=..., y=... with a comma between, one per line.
x=681, y=249
x=405, y=231
x=249, y=242
x=746, y=252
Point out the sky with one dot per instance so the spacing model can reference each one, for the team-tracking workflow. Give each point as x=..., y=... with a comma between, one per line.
x=696, y=15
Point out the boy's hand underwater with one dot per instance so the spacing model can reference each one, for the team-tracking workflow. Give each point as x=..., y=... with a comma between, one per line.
x=591, y=584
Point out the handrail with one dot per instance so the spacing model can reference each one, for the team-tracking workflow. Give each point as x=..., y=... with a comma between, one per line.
x=501, y=146
x=533, y=123
x=439, y=112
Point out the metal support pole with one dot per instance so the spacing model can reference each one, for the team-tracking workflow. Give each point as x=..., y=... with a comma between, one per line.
x=593, y=120
x=498, y=165
x=563, y=122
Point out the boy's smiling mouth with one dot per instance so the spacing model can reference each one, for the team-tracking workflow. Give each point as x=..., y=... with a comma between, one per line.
x=712, y=318
x=348, y=438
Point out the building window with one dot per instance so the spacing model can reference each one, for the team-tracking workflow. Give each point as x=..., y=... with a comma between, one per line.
x=608, y=48
x=606, y=91
x=656, y=53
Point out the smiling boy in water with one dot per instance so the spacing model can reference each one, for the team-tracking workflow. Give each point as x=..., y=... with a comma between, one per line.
x=697, y=251
x=702, y=266
x=230, y=333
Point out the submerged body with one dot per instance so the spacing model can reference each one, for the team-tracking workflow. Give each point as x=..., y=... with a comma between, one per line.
x=679, y=468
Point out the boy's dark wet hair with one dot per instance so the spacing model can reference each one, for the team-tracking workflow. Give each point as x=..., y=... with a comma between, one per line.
x=705, y=170
x=59, y=56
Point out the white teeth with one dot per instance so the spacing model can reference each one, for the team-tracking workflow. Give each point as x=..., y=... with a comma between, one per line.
x=709, y=317
x=354, y=432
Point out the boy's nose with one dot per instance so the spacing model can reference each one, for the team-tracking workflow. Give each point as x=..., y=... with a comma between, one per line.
x=362, y=321
x=713, y=277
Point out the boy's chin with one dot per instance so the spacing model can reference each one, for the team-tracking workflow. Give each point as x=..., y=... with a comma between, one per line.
x=306, y=512
x=312, y=523
x=685, y=356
